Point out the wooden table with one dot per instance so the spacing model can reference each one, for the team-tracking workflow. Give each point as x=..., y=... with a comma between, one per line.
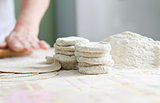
x=119, y=86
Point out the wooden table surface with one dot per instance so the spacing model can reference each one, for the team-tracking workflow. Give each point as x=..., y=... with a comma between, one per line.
x=119, y=86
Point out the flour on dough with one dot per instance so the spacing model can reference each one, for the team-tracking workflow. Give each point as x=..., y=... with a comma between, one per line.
x=49, y=60
x=29, y=67
x=94, y=70
x=103, y=60
x=70, y=41
x=69, y=65
x=26, y=77
x=64, y=48
x=90, y=55
x=83, y=64
x=67, y=53
x=64, y=58
x=94, y=47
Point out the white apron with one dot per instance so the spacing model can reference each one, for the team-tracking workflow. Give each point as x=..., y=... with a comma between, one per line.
x=7, y=18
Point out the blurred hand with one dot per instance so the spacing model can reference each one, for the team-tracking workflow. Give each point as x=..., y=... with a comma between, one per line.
x=23, y=39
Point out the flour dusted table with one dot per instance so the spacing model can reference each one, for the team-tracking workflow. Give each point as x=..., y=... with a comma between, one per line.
x=119, y=86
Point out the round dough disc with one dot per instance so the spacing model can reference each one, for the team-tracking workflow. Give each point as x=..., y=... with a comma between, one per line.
x=95, y=47
x=66, y=41
x=104, y=60
x=29, y=67
x=82, y=64
x=64, y=48
x=90, y=55
x=64, y=58
x=68, y=53
x=94, y=70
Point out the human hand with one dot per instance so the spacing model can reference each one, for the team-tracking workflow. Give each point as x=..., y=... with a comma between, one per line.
x=22, y=39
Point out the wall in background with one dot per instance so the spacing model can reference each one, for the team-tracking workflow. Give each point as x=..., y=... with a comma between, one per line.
x=98, y=19
x=91, y=19
x=17, y=7
x=48, y=24
x=66, y=18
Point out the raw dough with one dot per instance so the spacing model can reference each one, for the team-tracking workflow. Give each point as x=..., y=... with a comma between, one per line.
x=64, y=48
x=94, y=70
x=29, y=67
x=64, y=58
x=69, y=65
x=26, y=68
x=94, y=47
x=70, y=41
x=90, y=55
x=29, y=78
x=104, y=60
x=82, y=64
x=49, y=60
x=67, y=62
x=67, y=53
x=12, y=75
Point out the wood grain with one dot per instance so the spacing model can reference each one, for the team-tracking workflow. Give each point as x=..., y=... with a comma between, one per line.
x=9, y=53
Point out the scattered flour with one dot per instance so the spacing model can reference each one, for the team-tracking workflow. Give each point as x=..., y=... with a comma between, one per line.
x=131, y=50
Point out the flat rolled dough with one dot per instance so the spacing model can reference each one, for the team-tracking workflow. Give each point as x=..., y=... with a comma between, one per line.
x=25, y=77
x=9, y=53
x=12, y=75
x=29, y=67
x=82, y=64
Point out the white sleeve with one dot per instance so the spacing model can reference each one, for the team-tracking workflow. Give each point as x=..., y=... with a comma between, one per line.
x=7, y=18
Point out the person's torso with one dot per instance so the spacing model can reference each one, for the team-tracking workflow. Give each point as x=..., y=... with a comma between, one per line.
x=7, y=18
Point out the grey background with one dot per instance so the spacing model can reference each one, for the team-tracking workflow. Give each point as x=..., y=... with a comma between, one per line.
x=98, y=19
x=66, y=18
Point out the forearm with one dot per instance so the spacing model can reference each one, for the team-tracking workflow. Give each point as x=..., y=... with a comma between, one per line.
x=32, y=12
x=24, y=36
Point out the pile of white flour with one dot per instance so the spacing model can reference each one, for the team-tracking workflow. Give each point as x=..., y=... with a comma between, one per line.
x=131, y=50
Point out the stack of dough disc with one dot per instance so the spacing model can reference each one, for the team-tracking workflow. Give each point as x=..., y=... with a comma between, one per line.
x=64, y=51
x=93, y=57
